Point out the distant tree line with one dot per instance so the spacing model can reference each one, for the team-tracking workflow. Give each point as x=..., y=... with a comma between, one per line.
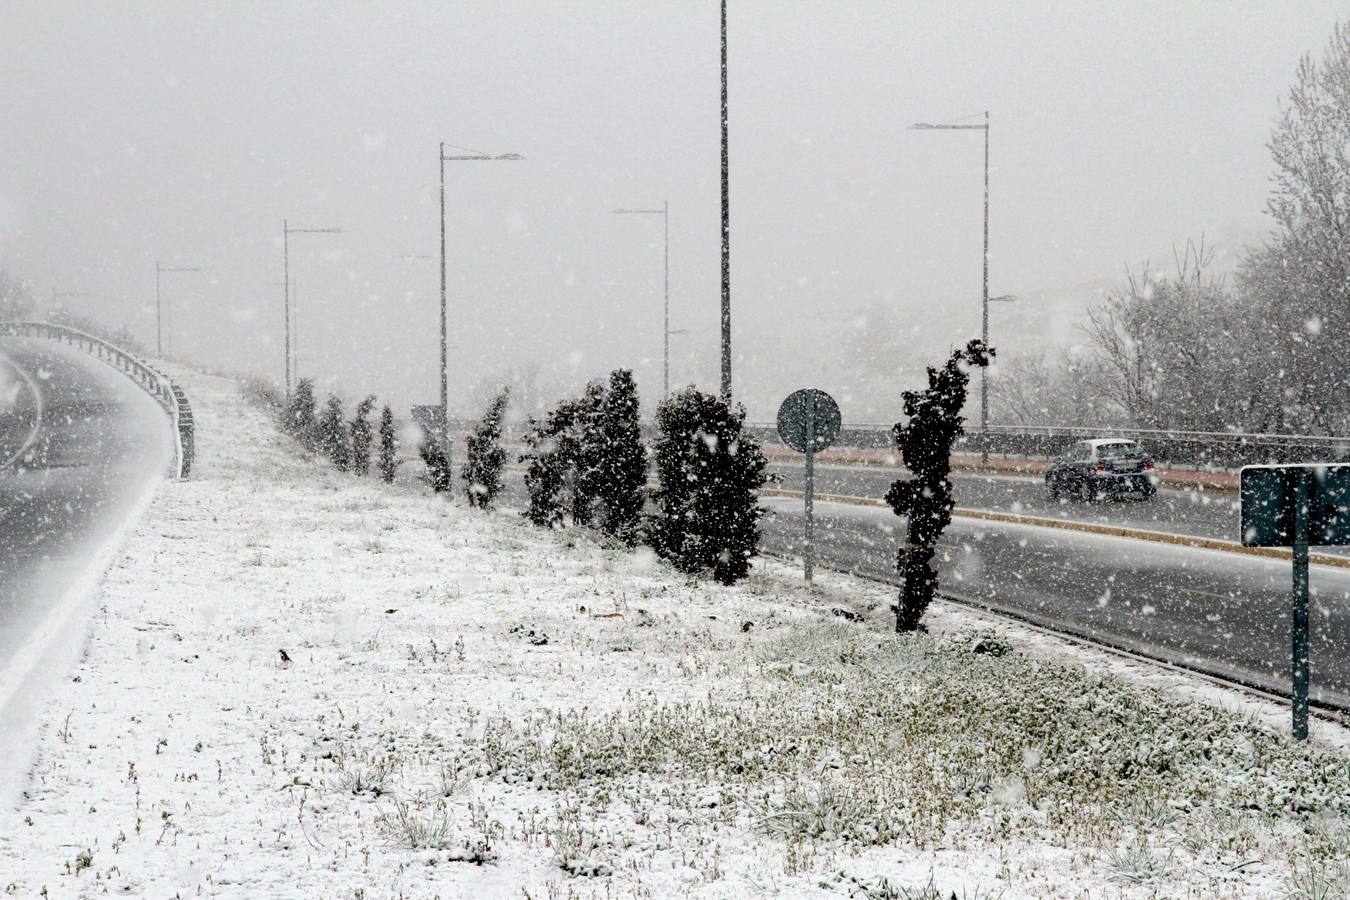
x=1268, y=352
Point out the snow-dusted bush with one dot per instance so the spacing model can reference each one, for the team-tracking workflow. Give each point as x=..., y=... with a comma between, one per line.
x=710, y=472
x=925, y=495
x=551, y=457
x=563, y=461
x=586, y=453
x=482, y=470
x=361, y=436
x=439, y=473
x=388, y=445
x=300, y=419
x=334, y=441
x=616, y=460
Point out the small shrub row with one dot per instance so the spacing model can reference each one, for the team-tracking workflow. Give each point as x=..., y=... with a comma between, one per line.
x=347, y=444
x=588, y=466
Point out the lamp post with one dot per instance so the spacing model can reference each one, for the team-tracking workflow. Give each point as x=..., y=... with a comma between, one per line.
x=286, y=232
x=671, y=333
x=159, y=305
x=726, y=226
x=664, y=213
x=1001, y=298
x=984, y=305
x=445, y=387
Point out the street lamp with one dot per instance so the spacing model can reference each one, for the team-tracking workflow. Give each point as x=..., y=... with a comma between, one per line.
x=671, y=333
x=1001, y=298
x=286, y=232
x=664, y=213
x=445, y=388
x=984, y=305
x=159, y=305
x=726, y=226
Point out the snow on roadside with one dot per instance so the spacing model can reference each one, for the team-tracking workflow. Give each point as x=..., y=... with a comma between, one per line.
x=467, y=706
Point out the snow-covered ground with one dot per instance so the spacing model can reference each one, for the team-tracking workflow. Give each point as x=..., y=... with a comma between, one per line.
x=303, y=684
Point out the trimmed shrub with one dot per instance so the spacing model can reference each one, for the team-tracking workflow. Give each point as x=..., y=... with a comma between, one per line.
x=565, y=460
x=333, y=439
x=551, y=460
x=584, y=454
x=710, y=471
x=616, y=460
x=361, y=436
x=439, y=473
x=300, y=419
x=925, y=443
x=484, y=455
x=388, y=446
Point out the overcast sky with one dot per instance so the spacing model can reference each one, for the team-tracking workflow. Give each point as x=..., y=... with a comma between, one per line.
x=186, y=132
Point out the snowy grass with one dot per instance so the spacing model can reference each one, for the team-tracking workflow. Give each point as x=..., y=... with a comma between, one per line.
x=467, y=706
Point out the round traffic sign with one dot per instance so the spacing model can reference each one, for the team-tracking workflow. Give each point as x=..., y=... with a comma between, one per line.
x=806, y=412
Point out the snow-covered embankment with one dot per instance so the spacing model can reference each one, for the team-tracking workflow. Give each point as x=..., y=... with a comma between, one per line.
x=305, y=684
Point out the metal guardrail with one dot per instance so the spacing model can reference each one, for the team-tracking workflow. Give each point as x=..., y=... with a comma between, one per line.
x=150, y=380
x=1220, y=450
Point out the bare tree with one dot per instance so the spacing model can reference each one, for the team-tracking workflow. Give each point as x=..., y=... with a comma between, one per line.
x=1037, y=389
x=1301, y=277
x=1166, y=351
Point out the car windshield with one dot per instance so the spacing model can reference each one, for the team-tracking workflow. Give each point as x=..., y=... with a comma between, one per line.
x=1122, y=450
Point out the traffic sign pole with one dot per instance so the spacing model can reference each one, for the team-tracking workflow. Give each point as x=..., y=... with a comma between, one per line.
x=808, y=551
x=808, y=420
x=1300, y=618
x=1296, y=505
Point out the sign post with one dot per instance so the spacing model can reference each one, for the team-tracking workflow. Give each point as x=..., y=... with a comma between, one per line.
x=1299, y=656
x=1296, y=506
x=809, y=421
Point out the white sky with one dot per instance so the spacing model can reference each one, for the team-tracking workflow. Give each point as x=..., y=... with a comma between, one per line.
x=186, y=132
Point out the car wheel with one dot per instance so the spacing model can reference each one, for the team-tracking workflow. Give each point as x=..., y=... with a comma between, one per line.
x=1051, y=489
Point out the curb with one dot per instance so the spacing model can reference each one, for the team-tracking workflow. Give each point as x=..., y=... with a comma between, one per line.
x=1138, y=534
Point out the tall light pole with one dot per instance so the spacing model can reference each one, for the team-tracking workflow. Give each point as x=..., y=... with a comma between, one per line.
x=445, y=384
x=286, y=232
x=664, y=213
x=984, y=304
x=159, y=305
x=726, y=226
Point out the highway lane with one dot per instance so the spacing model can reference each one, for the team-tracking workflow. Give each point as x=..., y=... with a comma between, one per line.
x=1210, y=514
x=100, y=447
x=1220, y=612
x=20, y=410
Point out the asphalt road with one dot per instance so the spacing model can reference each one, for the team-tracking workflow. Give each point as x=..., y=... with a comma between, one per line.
x=1220, y=612
x=90, y=446
x=1210, y=514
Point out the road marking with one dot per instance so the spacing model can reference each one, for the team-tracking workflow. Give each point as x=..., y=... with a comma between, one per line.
x=1139, y=534
x=37, y=415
